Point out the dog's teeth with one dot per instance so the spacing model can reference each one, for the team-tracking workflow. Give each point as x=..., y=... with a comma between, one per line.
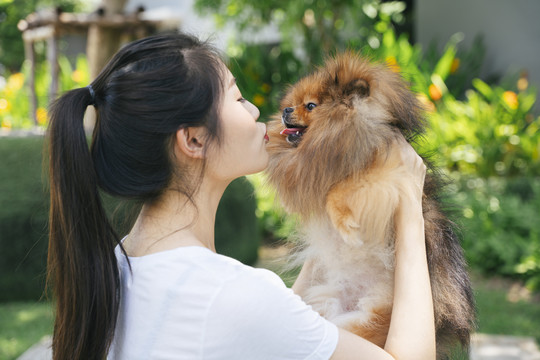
x=298, y=133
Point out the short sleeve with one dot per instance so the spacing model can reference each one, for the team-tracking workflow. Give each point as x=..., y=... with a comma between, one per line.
x=255, y=316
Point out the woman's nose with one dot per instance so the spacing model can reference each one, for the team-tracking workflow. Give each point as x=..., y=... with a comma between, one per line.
x=252, y=109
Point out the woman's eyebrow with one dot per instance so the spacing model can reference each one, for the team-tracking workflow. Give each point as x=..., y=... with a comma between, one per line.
x=233, y=81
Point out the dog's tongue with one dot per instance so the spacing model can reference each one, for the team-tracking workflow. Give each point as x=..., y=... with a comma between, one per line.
x=289, y=131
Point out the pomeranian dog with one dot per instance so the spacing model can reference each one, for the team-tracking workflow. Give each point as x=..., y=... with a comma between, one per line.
x=331, y=163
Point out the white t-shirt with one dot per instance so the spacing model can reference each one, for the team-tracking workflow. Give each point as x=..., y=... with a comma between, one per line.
x=190, y=303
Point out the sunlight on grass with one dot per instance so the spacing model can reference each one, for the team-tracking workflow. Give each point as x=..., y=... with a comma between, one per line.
x=498, y=315
x=23, y=324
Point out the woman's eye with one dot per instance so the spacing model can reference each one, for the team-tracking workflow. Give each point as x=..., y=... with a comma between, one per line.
x=242, y=99
x=310, y=106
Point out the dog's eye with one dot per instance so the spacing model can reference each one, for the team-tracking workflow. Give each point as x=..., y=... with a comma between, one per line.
x=310, y=106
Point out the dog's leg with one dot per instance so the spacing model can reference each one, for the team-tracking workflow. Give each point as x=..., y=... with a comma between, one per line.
x=362, y=208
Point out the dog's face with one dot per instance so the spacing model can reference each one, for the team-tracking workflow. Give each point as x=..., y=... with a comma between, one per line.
x=333, y=123
x=315, y=100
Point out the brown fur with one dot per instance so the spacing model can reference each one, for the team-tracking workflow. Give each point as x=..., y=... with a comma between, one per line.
x=342, y=178
x=376, y=328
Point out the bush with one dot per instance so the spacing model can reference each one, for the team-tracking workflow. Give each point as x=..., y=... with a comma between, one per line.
x=23, y=219
x=492, y=132
x=500, y=229
x=15, y=93
x=237, y=233
x=274, y=223
x=24, y=216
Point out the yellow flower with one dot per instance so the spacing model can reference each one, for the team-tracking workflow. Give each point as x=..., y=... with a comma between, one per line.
x=426, y=103
x=434, y=92
x=455, y=65
x=392, y=64
x=16, y=81
x=523, y=81
x=522, y=84
x=258, y=100
x=77, y=76
x=4, y=105
x=6, y=124
x=41, y=115
x=266, y=88
x=511, y=99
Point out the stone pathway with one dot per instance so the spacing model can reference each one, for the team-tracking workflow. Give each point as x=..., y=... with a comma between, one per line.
x=483, y=347
x=499, y=347
x=40, y=351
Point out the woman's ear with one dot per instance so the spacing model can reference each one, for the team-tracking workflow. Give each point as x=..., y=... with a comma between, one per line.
x=191, y=141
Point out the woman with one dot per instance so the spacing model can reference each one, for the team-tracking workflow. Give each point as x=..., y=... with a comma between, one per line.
x=173, y=131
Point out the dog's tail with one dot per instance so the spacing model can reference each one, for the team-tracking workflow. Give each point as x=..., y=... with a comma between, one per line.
x=455, y=312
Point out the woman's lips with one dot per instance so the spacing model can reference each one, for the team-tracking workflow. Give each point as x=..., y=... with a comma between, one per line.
x=266, y=136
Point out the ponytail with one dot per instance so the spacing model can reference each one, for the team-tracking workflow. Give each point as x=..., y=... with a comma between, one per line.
x=81, y=260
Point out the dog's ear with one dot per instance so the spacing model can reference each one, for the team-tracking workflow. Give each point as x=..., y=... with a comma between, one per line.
x=358, y=87
x=406, y=110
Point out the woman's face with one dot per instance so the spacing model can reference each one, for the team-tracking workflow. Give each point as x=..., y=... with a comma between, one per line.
x=243, y=149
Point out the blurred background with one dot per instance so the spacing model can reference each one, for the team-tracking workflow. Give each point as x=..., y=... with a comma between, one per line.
x=473, y=64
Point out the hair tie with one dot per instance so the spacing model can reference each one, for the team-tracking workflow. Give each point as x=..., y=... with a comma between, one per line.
x=92, y=94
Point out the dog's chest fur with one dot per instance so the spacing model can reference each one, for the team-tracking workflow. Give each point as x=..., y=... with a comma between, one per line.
x=348, y=281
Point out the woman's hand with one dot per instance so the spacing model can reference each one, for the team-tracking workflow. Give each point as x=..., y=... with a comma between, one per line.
x=412, y=328
x=416, y=171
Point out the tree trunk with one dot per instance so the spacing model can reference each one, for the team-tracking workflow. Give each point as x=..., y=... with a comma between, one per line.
x=103, y=42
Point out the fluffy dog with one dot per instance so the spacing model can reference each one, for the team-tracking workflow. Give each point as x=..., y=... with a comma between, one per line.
x=331, y=163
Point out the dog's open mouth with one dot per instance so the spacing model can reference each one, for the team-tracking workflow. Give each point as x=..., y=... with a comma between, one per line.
x=294, y=133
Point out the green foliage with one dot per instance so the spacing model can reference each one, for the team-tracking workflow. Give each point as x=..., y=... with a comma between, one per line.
x=492, y=132
x=24, y=216
x=11, y=12
x=23, y=220
x=14, y=102
x=15, y=93
x=237, y=234
x=262, y=72
x=274, y=223
x=500, y=229
x=316, y=26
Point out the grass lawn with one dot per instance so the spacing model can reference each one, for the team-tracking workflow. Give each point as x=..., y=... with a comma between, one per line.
x=503, y=308
x=506, y=308
x=23, y=324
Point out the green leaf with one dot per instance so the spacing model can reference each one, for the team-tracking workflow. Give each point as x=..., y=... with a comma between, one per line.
x=445, y=62
x=483, y=88
x=527, y=102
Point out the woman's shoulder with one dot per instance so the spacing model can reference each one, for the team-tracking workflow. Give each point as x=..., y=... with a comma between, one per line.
x=197, y=261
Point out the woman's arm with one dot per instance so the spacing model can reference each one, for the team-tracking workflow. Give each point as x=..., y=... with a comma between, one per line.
x=412, y=327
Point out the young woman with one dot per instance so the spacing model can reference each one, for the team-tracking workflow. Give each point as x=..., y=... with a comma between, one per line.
x=173, y=131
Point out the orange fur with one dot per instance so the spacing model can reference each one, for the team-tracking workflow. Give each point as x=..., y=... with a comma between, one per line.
x=376, y=328
x=337, y=169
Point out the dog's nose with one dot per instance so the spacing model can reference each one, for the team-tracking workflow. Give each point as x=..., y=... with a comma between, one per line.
x=287, y=110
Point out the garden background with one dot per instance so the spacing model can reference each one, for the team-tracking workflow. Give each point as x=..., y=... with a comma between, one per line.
x=484, y=134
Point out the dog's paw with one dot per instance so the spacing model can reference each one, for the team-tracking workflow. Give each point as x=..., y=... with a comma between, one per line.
x=350, y=233
x=343, y=220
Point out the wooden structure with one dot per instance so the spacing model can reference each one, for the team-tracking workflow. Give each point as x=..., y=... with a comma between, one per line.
x=50, y=26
